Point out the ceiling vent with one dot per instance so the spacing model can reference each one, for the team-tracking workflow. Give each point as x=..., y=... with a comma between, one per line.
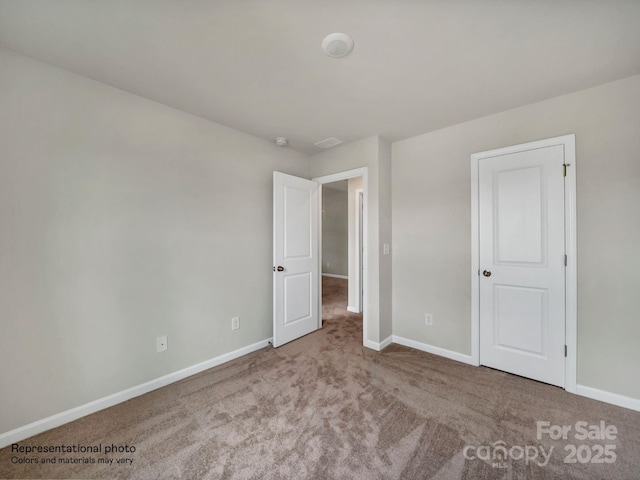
x=328, y=142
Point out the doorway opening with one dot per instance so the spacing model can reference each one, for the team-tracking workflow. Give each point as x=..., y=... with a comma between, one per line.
x=341, y=214
x=343, y=238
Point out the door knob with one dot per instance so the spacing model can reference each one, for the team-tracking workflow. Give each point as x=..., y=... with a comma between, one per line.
x=486, y=273
x=280, y=268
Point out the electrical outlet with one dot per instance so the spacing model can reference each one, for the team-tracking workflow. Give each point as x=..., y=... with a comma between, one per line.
x=385, y=249
x=161, y=344
x=428, y=319
x=235, y=323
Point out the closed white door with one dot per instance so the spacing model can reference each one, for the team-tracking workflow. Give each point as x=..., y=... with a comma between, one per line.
x=522, y=263
x=295, y=257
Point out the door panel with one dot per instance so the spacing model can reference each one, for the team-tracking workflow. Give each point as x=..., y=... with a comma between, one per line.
x=297, y=218
x=295, y=257
x=298, y=298
x=520, y=318
x=519, y=213
x=522, y=297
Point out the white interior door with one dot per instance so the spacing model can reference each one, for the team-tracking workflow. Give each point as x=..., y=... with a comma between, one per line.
x=522, y=263
x=295, y=257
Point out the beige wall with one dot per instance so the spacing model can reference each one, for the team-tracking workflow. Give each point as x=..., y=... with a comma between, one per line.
x=339, y=239
x=431, y=226
x=122, y=220
x=385, y=212
x=335, y=231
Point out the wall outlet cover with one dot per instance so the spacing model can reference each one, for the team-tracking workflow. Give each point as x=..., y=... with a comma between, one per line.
x=161, y=343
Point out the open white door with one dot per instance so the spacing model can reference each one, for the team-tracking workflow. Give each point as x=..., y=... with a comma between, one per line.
x=295, y=257
x=522, y=262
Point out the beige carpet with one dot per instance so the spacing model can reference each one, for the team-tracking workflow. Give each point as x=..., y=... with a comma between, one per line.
x=325, y=407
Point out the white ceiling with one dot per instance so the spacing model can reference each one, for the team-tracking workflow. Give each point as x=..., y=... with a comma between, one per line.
x=256, y=65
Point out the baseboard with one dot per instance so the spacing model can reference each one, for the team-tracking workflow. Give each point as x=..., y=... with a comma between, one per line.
x=425, y=347
x=372, y=345
x=344, y=277
x=378, y=346
x=67, y=416
x=590, y=392
x=353, y=309
x=386, y=342
x=608, y=397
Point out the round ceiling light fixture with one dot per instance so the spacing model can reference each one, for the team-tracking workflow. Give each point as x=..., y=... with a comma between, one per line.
x=281, y=141
x=337, y=45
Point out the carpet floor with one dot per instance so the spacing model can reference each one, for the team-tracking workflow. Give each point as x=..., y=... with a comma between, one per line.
x=325, y=407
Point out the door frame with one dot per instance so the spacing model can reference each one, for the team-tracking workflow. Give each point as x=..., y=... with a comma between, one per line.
x=359, y=245
x=571, y=292
x=358, y=227
x=335, y=177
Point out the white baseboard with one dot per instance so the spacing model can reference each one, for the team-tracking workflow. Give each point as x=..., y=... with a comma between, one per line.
x=425, y=347
x=386, y=342
x=590, y=392
x=378, y=346
x=67, y=416
x=372, y=345
x=344, y=277
x=608, y=397
x=352, y=309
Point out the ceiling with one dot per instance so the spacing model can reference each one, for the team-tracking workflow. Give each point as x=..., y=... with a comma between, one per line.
x=257, y=66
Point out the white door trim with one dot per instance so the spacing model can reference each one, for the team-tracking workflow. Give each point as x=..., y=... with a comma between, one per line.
x=359, y=245
x=571, y=318
x=346, y=175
